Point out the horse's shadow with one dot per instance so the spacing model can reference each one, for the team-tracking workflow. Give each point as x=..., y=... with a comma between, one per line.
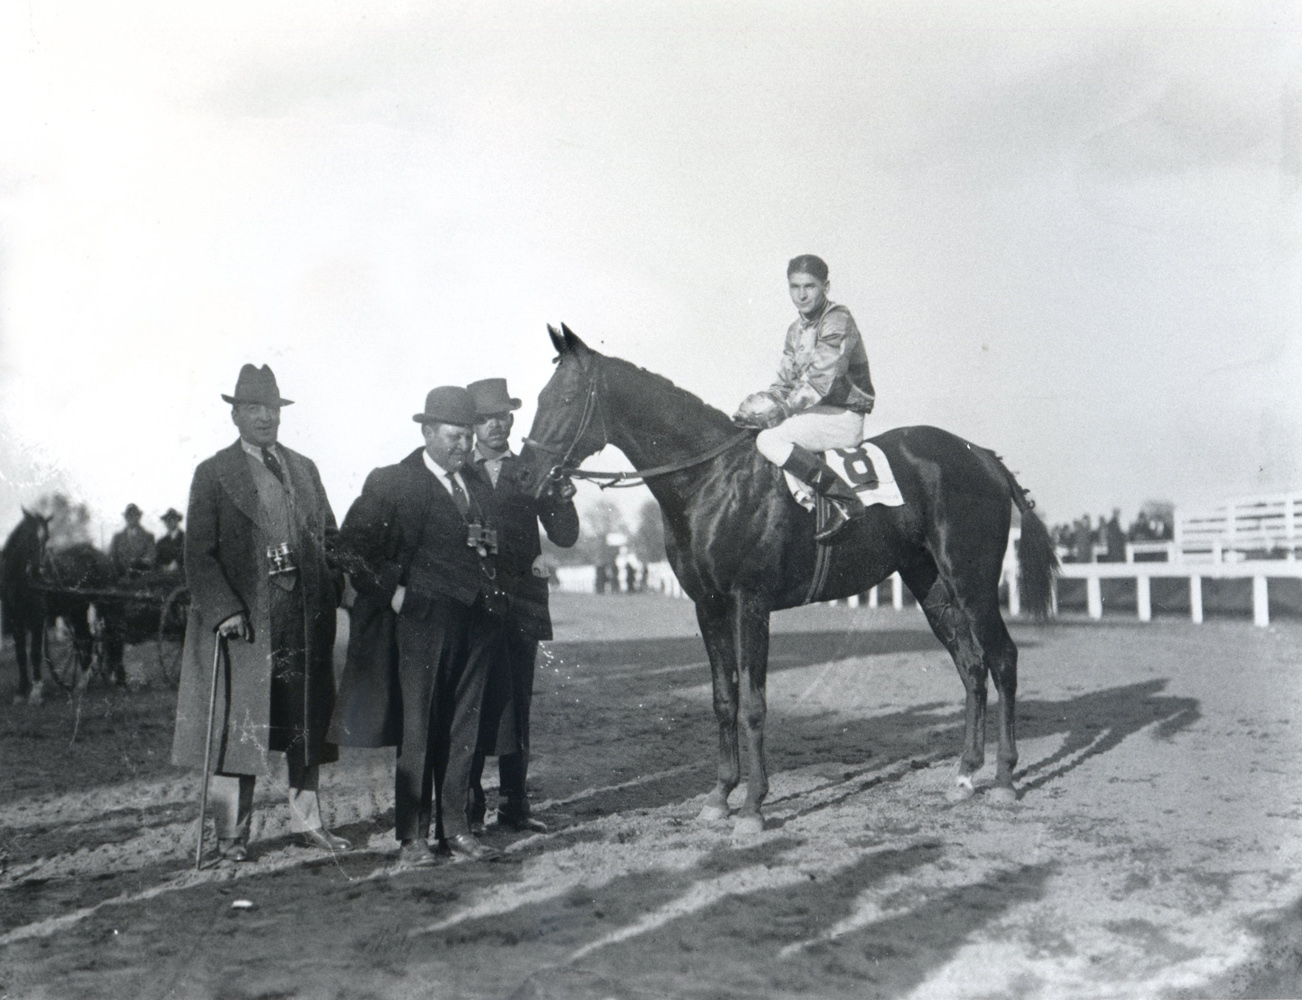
x=1090, y=724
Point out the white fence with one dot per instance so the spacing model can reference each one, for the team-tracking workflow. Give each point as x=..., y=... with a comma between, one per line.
x=1252, y=538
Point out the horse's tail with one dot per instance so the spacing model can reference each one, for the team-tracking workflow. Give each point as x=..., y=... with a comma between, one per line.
x=1036, y=559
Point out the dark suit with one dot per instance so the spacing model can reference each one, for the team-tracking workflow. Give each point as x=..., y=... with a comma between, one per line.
x=410, y=533
x=505, y=726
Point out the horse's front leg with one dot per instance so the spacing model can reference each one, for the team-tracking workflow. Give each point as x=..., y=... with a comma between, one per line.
x=750, y=622
x=20, y=655
x=712, y=614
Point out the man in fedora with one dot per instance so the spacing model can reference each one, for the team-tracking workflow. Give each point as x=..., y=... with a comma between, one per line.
x=132, y=548
x=169, y=553
x=505, y=725
x=429, y=599
x=132, y=551
x=257, y=571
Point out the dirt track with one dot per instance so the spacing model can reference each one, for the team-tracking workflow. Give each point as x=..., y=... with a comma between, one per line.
x=1154, y=850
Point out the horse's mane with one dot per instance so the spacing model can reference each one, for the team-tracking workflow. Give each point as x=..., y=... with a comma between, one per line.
x=701, y=412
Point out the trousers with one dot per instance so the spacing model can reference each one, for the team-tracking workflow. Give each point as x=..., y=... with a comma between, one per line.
x=230, y=797
x=818, y=429
x=443, y=659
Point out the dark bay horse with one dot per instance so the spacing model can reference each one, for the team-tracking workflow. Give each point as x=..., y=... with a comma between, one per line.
x=22, y=607
x=742, y=547
x=39, y=586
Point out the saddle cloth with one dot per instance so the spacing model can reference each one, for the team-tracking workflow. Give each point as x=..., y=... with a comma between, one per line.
x=859, y=466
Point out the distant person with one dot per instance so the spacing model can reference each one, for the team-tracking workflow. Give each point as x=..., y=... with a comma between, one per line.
x=169, y=553
x=1083, y=542
x=1115, y=537
x=820, y=397
x=504, y=726
x=257, y=571
x=132, y=548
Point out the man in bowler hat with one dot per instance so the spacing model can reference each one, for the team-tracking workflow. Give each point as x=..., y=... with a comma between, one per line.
x=516, y=512
x=256, y=566
x=428, y=612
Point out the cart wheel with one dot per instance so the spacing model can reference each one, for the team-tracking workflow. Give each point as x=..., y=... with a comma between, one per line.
x=61, y=657
x=171, y=633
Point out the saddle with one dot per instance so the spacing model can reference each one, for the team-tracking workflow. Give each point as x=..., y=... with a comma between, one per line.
x=864, y=468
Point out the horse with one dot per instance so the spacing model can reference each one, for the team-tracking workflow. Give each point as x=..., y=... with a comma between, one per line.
x=742, y=547
x=38, y=586
x=22, y=607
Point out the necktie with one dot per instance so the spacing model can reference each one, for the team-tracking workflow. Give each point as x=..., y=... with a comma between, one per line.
x=273, y=465
x=459, y=495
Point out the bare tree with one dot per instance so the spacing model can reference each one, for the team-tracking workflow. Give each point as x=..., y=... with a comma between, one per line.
x=69, y=522
x=649, y=537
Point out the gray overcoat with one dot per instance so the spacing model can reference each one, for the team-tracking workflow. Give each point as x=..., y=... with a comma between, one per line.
x=226, y=570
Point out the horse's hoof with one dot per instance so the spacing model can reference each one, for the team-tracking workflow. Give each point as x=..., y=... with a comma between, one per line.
x=711, y=814
x=961, y=790
x=37, y=696
x=1002, y=795
x=748, y=826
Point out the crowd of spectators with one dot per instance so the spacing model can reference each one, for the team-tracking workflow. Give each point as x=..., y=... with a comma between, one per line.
x=1105, y=540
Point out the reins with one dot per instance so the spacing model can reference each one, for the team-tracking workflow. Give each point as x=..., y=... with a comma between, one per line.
x=618, y=480
x=623, y=480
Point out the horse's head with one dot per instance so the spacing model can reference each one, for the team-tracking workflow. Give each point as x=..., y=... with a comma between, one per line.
x=25, y=549
x=568, y=425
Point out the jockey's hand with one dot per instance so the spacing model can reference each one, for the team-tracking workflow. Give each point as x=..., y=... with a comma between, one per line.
x=237, y=625
x=759, y=410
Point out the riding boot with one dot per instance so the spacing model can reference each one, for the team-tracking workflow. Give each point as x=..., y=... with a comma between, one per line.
x=845, y=504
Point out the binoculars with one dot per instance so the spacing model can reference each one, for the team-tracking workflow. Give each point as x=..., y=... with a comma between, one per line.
x=280, y=560
x=481, y=538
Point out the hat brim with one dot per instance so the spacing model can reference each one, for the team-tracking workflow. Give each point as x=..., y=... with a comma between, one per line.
x=245, y=399
x=425, y=418
x=510, y=404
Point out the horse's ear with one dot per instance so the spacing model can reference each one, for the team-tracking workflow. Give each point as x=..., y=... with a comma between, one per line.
x=558, y=341
x=573, y=343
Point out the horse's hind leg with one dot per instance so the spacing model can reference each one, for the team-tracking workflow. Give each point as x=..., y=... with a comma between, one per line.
x=953, y=629
x=1001, y=660
x=712, y=613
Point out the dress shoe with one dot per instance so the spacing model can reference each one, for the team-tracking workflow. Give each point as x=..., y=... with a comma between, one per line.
x=235, y=849
x=521, y=822
x=464, y=845
x=477, y=827
x=414, y=854
x=323, y=839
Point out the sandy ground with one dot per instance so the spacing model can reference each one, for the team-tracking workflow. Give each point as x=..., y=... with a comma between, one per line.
x=1153, y=852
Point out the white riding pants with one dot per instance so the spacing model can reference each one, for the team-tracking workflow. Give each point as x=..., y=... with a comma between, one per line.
x=817, y=429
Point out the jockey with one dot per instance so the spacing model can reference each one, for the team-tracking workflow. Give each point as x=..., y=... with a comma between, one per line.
x=821, y=394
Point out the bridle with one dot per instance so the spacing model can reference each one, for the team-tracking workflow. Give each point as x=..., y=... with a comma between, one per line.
x=591, y=403
x=618, y=480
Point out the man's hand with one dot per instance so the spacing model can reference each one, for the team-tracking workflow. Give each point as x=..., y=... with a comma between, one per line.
x=236, y=625
x=395, y=602
x=759, y=410
x=563, y=489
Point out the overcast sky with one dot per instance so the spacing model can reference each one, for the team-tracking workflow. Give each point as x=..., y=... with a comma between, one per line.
x=1069, y=232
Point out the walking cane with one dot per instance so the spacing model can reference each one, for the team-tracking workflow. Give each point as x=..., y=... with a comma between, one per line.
x=218, y=642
